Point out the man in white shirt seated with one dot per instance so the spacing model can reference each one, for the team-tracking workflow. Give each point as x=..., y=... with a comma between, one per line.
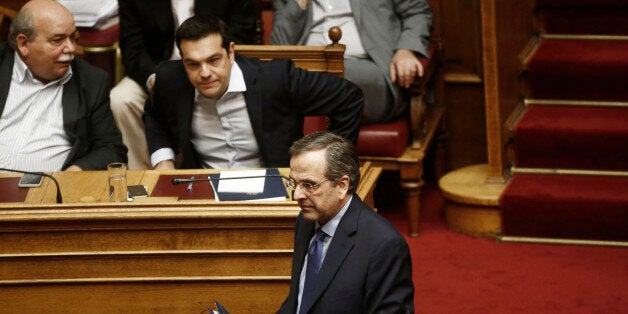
x=54, y=109
x=216, y=109
x=147, y=30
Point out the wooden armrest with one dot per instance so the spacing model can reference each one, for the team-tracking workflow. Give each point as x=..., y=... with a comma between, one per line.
x=328, y=59
x=418, y=105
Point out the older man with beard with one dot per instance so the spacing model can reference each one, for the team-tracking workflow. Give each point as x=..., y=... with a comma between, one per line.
x=54, y=109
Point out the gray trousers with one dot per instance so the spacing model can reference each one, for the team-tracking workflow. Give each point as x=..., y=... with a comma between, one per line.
x=379, y=104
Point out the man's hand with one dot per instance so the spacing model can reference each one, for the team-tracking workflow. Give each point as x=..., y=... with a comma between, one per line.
x=74, y=168
x=302, y=4
x=405, y=67
x=165, y=165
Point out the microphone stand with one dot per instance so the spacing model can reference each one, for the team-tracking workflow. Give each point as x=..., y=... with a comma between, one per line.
x=177, y=181
x=59, y=198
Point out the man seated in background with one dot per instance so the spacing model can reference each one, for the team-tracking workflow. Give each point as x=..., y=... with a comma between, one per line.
x=383, y=42
x=347, y=258
x=147, y=38
x=222, y=110
x=54, y=109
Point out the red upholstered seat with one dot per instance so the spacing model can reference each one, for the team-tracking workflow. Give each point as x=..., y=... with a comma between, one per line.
x=99, y=38
x=389, y=139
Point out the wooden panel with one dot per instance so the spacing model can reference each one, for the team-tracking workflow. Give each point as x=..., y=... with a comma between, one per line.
x=462, y=39
x=465, y=141
x=139, y=264
x=182, y=296
x=464, y=122
x=154, y=256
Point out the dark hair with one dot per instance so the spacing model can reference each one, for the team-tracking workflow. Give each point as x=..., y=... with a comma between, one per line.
x=21, y=24
x=340, y=154
x=201, y=26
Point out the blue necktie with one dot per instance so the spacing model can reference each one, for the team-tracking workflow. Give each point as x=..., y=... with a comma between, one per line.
x=314, y=261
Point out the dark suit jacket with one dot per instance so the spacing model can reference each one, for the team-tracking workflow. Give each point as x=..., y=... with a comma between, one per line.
x=147, y=30
x=278, y=96
x=87, y=117
x=367, y=268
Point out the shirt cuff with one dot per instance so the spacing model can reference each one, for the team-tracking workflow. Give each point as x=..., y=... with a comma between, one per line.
x=161, y=155
x=149, y=86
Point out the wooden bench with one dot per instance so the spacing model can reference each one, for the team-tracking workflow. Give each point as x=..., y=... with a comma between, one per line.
x=400, y=145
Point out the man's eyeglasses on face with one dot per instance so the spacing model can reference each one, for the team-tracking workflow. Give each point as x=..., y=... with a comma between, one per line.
x=306, y=187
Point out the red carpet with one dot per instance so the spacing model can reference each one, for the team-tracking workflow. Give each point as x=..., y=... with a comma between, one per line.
x=579, y=137
x=596, y=72
x=572, y=136
x=455, y=273
x=567, y=206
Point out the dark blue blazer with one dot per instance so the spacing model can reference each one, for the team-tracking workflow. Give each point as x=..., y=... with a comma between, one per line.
x=367, y=268
x=278, y=96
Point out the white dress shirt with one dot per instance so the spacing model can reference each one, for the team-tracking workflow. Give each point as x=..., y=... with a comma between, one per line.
x=181, y=11
x=32, y=137
x=222, y=134
x=329, y=13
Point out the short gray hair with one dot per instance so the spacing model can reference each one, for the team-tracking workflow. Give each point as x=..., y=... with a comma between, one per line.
x=21, y=24
x=340, y=154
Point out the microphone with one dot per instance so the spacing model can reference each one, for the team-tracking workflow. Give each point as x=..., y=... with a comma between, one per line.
x=177, y=181
x=59, y=199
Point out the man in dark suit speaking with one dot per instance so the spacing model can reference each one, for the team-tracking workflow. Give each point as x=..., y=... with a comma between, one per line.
x=54, y=109
x=347, y=258
x=222, y=110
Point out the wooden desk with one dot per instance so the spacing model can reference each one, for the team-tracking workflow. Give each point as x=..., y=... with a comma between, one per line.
x=86, y=255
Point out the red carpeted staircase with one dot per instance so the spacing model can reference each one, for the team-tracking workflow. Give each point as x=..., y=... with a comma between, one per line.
x=570, y=143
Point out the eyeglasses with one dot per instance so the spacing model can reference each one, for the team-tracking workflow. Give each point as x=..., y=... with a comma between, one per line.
x=306, y=187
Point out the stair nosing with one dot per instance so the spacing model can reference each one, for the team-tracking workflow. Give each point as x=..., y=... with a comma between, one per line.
x=581, y=172
x=583, y=36
x=569, y=102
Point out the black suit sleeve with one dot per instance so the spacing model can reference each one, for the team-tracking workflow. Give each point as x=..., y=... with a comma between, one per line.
x=324, y=94
x=389, y=285
x=241, y=19
x=158, y=134
x=97, y=131
x=136, y=57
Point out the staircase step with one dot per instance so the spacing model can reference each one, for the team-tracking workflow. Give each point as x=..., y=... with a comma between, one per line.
x=597, y=17
x=572, y=137
x=565, y=206
x=579, y=69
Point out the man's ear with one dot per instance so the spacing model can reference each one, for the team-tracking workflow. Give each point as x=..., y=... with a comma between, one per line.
x=343, y=186
x=22, y=44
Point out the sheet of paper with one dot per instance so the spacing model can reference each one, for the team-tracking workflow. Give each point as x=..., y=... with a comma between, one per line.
x=249, y=185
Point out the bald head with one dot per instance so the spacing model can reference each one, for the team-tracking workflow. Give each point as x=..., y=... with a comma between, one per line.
x=34, y=15
x=44, y=35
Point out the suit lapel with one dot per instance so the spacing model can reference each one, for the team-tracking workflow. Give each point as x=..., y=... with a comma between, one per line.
x=6, y=73
x=185, y=105
x=356, y=8
x=253, y=99
x=340, y=246
x=70, y=102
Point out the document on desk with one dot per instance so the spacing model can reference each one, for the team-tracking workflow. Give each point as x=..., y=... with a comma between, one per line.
x=248, y=185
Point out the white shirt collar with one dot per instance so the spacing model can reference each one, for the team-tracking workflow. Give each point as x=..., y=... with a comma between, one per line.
x=21, y=73
x=236, y=83
x=330, y=227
